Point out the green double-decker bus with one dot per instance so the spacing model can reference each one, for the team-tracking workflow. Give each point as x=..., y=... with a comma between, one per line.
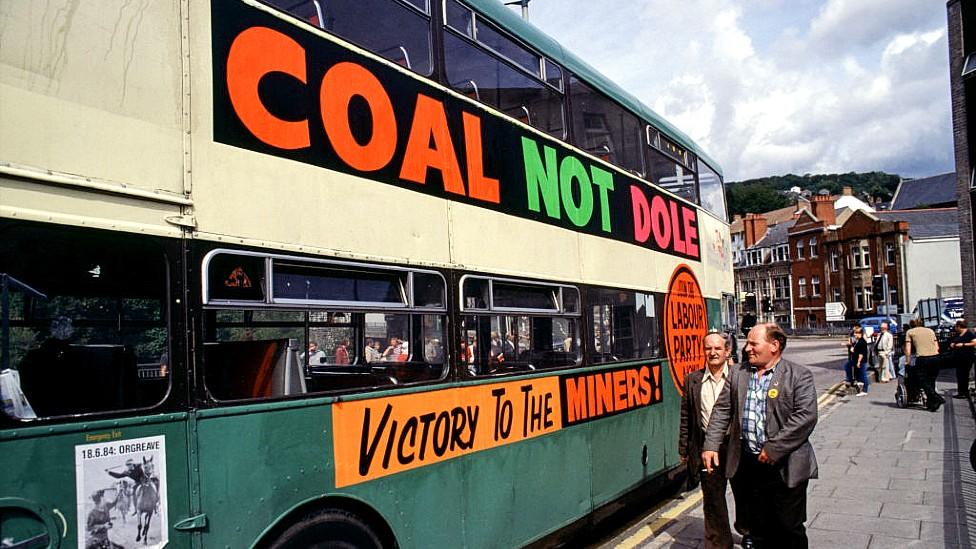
x=380, y=272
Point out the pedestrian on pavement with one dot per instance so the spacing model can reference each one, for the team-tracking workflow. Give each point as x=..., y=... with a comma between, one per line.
x=702, y=389
x=849, y=365
x=962, y=345
x=771, y=409
x=885, y=347
x=861, y=359
x=922, y=340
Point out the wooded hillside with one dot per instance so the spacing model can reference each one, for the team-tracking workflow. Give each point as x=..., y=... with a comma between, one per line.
x=769, y=193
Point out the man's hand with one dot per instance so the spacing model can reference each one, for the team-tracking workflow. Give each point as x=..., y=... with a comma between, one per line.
x=764, y=457
x=709, y=460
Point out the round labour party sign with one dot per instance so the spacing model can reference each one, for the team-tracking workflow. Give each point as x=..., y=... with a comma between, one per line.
x=685, y=325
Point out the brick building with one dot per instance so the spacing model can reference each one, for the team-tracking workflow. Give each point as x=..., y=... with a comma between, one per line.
x=962, y=86
x=763, y=274
x=810, y=268
x=863, y=246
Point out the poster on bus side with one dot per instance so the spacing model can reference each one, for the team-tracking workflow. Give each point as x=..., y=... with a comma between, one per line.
x=121, y=494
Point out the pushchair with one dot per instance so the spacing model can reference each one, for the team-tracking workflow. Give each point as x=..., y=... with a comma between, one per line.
x=909, y=390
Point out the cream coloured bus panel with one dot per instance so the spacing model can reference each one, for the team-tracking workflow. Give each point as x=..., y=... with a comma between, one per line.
x=93, y=89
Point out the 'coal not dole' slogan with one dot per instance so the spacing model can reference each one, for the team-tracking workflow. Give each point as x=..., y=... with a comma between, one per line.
x=284, y=91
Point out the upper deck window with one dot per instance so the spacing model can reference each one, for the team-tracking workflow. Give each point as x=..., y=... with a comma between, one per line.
x=665, y=166
x=605, y=129
x=495, y=69
x=712, y=191
x=395, y=30
x=485, y=77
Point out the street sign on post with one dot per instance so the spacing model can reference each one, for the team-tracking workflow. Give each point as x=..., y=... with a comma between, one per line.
x=836, y=311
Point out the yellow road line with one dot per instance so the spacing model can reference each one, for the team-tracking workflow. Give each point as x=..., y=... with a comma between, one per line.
x=660, y=523
x=648, y=531
x=829, y=395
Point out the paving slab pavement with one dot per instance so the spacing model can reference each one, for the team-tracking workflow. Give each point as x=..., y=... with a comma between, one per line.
x=889, y=477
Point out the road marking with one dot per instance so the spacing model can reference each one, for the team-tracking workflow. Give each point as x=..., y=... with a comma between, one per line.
x=651, y=530
x=829, y=395
x=660, y=523
x=908, y=436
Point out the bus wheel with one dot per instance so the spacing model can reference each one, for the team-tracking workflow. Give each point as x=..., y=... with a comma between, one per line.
x=328, y=528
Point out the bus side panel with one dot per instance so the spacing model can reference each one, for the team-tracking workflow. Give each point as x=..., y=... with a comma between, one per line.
x=89, y=88
x=619, y=443
x=422, y=505
x=518, y=492
x=60, y=473
x=254, y=466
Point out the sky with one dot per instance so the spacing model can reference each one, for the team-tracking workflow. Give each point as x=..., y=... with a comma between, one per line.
x=769, y=87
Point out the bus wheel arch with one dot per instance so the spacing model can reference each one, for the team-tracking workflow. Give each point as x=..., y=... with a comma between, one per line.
x=344, y=516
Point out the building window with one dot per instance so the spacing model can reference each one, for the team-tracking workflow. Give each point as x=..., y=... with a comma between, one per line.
x=867, y=298
x=893, y=297
x=890, y=253
x=815, y=286
x=856, y=256
x=858, y=299
x=837, y=296
x=799, y=249
x=781, y=287
x=783, y=252
x=865, y=255
x=813, y=247
x=802, y=283
x=764, y=284
x=834, y=261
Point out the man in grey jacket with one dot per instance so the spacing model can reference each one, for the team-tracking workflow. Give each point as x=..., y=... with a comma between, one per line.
x=770, y=407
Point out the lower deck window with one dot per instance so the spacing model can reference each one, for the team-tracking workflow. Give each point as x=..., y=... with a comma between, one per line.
x=496, y=344
x=85, y=326
x=260, y=353
x=625, y=325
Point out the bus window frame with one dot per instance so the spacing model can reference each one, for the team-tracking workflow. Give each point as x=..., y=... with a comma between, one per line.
x=490, y=304
x=312, y=304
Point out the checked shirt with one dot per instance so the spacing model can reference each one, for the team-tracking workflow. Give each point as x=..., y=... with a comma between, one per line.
x=754, y=415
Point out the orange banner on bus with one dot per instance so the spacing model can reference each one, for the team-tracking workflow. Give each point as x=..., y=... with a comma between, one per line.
x=378, y=437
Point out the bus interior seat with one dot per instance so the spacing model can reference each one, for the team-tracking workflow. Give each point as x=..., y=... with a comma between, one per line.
x=60, y=379
x=253, y=369
x=468, y=88
x=336, y=378
x=398, y=54
x=412, y=372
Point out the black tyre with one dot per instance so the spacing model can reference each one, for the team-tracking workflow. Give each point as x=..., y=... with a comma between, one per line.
x=329, y=528
x=972, y=455
x=901, y=399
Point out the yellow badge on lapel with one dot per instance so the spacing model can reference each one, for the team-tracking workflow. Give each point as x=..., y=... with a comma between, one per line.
x=772, y=393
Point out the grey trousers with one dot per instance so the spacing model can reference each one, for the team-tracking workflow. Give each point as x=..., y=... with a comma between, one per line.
x=718, y=535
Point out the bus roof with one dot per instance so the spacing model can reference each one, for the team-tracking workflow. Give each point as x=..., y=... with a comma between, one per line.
x=495, y=11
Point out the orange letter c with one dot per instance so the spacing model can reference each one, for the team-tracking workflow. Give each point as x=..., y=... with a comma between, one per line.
x=256, y=52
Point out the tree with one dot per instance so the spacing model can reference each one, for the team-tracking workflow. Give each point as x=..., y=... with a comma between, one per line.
x=756, y=198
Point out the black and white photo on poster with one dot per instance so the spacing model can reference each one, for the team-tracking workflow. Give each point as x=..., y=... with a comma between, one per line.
x=121, y=494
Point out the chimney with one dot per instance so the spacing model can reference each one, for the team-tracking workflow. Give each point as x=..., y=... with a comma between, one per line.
x=755, y=228
x=823, y=208
x=847, y=191
x=737, y=218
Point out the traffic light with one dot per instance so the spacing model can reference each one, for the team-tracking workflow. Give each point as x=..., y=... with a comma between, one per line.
x=878, y=283
x=767, y=305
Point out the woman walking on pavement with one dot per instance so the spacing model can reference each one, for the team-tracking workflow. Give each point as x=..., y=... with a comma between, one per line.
x=859, y=360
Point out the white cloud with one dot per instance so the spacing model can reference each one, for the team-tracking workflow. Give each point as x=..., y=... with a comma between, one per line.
x=770, y=86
